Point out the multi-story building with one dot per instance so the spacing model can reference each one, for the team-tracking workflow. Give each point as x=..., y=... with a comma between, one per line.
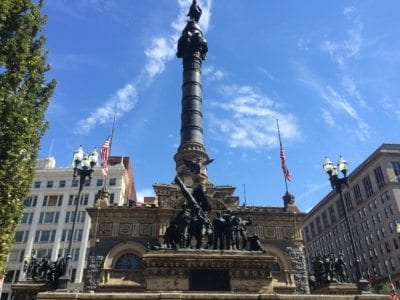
x=372, y=201
x=46, y=223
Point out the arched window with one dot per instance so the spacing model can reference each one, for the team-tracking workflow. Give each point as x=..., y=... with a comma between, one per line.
x=128, y=261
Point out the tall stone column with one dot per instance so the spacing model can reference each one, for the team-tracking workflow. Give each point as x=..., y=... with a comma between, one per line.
x=191, y=154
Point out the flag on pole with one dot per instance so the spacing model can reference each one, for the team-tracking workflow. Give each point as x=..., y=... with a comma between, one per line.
x=104, y=155
x=286, y=172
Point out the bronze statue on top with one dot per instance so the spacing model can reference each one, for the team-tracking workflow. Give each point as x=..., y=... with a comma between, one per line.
x=195, y=12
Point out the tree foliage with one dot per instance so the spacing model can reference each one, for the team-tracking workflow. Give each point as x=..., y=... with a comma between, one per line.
x=24, y=97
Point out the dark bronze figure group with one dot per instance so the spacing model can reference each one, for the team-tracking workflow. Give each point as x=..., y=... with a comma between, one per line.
x=43, y=269
x=328, y=268
x=226, y=232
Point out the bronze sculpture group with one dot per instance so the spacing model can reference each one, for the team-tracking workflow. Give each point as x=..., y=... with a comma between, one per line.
x=227, y=231
x=44, y=269
x=327, y=269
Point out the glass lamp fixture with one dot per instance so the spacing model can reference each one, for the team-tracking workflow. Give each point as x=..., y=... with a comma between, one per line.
x=343, y=165
x=328, y=165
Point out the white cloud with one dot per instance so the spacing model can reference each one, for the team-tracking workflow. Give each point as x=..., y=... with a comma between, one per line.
x=212, y=74
x=392, y=107
x=342, y=52
x=337, y=103
x=121, y=102
x=161, y=50
x=327, y=117
x=311, y=189
x=348, y=10
x=246, y=118
x=266, y=73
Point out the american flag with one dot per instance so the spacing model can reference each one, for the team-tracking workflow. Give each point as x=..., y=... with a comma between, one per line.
x=285, y=170
x=104, y=155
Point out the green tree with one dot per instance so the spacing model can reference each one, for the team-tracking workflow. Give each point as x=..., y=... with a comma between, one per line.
x=24, y=97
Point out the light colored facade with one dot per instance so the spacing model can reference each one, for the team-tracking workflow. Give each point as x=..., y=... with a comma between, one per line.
x=49, y=211
x=373, y=204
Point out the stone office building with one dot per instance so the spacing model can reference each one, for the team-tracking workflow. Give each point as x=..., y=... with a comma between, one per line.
x=47, y=218
x=373, y=205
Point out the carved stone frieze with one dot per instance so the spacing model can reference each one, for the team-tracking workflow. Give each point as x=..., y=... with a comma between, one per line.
x=105, y=229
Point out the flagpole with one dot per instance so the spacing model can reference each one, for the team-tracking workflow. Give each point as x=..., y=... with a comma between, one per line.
x=110, y=139
x=281, y=151
x=112, y=132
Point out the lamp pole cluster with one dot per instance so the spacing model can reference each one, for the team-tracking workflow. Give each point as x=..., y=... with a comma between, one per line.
x=337, y=184
x=83, y=167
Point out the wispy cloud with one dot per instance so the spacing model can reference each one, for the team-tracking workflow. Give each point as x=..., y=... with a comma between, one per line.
x=344, y=51
x=161, y=50
x=121, y=102
x=266, y=73
x=311, y=189
x=392, y=107
x=70, y=61
x=244, y=117
x=212, y=74
x=336, y=102
x=327, y=117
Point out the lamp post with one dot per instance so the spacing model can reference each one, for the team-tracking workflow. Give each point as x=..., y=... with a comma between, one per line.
x=337, y=184
x=83, y=167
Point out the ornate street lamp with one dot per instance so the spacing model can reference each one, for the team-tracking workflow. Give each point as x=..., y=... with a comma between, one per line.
x=337, y=184
x=83, y=167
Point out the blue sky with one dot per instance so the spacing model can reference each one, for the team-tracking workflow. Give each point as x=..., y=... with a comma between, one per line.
x=328, y=70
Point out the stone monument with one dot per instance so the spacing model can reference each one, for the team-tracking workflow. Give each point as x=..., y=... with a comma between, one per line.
x=198, y=238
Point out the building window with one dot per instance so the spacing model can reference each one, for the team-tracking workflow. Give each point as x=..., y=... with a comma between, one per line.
x=30, y=201
x=332, y=213
x=379, y=216
x=72, y=199
x=325, y=219
x=112, y=181
x=43, y=253
x=99, y=182
x=357, y=194
x=84, y=199
x=44, y=236
x=385, y=196
x=368, y=186
x=49, y=217
x=347, y=200
x=307, y=233
x=21, y=236
x=9, y=276
x=49, y=183
x=74, y=183
x=78, y=235
x=65, y=236
x=112, y=198
x=380, y=180
x=62, y=183
x=340, y=208
x=318, y=223
x=387, y=246
x=396, y=169
x=69, y=216
x=87, y=182
x=395, y=243
x=26, y=218
x=36, y=184
x=128, y=261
